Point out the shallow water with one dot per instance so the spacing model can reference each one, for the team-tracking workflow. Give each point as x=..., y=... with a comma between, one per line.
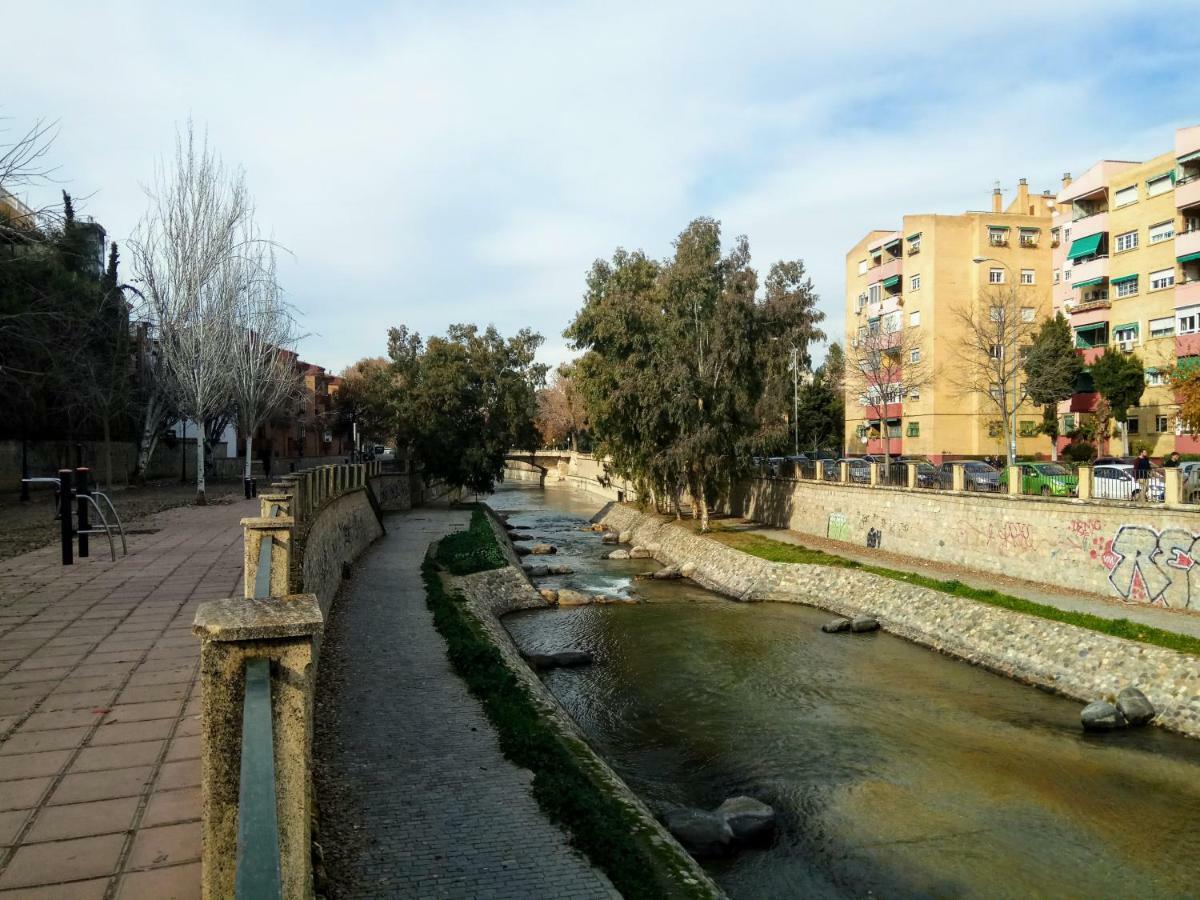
x=896, y=771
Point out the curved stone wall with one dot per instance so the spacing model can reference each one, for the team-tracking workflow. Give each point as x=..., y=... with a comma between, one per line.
x=340, y=531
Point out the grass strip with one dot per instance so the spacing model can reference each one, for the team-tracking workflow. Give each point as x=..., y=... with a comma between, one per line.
x=777, y=551
x=473, y=550
x=607, y=831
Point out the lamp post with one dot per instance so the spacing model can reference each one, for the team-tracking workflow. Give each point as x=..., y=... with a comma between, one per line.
x=795, y=367
x=1012, y=429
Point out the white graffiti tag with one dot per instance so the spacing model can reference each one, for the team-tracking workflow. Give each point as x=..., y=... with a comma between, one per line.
x=1155, y=567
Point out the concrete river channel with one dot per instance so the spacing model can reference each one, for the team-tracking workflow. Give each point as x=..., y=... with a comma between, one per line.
x=896, y=771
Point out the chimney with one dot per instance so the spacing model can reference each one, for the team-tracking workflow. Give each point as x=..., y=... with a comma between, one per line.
x=997, y=200
x=1066, y=180
x=1022, y=204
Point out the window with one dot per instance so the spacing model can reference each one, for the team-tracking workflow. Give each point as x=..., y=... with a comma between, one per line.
x=1159, y=184
x=1185, y=319
x=1163, y=278
x=1162, y=327
x=1128, y=287
x=1029, y=237
x=876, y=291
x=1066, y=274
x=998, y=237
x=1134, y=425
x=995, y=314
x=862, y=267
x=995, y=276
x=914, y=243
x=1163, y=231
x=914, y=429
x=1027, y=428
x=1028, y=314
x=994, y=391
x=914, y=356
x=861, y=301
x=995, y=429
x=891, y=322
x=1054, y=235
x=914, y=394
x=1057, y=274
x=914, y=283
x=996, y=351
x=1160, y=424
x=914, y=318
x=1027, y=276
x=1127, y=241
x=1126, y=195
x=873, y=325
x=1067, y=233
x=1155, y=378
x=1098, y=294
x=1068, y=423
x=876, y=258
x=1126, y=334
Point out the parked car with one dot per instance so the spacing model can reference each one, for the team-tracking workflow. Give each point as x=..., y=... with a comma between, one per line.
x=858, y=470
x=977, y=475
x=1047, y=479
x=828, y=470
x=1114, y=461
x=1189, y=475
x=928, y=475
x=1117, y=481
x=775, y=466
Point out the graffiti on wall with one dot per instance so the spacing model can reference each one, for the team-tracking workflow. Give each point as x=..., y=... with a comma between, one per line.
x=838, y=527
x=1152, y=566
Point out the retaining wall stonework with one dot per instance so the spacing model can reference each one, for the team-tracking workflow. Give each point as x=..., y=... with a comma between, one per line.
x=340, y=532
x=393, y=490
x=1075, y=662
x=1134, y=552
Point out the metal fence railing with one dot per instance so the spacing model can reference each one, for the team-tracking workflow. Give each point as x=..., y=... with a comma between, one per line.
x=894, y=474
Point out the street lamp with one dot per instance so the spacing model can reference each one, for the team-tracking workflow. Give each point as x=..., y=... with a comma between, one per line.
x=1012, y=430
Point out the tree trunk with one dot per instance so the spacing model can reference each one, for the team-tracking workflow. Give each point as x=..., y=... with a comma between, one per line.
x=201, y=499
x=678, y=500
x=108, y=482
x=1125, y=437
x=703, y=500
x=148, y=440
x=247, y=469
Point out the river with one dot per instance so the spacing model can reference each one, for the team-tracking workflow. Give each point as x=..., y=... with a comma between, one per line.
x=896, y=771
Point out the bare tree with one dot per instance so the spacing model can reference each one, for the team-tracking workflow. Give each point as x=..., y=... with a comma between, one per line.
x=997, y=332
x=265, y=378
x=23, y=165
x=188, y=255
x=561, y=413
x=885, y=365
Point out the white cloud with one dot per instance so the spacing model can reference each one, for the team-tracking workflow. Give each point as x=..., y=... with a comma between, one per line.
x=428, y=165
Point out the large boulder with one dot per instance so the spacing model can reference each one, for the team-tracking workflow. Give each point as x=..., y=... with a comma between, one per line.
x=703, y=833
x=559, y=570
x=536, y=571
x=1101, y=716
x=666, y=574
x=618, y=554
x=836, y=626
x=544, y=549
x=639, y=553
x=550, y=596
x=568, y=597
x=861, y=624
x=1134, y=706
x=625, y=537
x=521, y=551
x=687, y=570
x=748, y=819
x=609, y=537
x=563, y=659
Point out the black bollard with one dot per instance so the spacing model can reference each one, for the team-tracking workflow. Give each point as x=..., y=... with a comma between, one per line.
x=64, y=513
x=253, y=487
x=82, y=492
x=24, y=471
x=246, y=487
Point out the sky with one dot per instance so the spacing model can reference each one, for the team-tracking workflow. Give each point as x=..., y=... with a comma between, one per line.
x=432, y=163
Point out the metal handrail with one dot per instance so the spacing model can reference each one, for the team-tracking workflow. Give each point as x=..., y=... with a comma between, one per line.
x=120, y=525
x=262, y=575
x=105, y=530
x=258, y=872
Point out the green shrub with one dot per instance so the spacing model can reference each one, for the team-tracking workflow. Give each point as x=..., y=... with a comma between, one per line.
x=473, y=550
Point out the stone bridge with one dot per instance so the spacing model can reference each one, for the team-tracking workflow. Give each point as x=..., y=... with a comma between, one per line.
x=544, y=461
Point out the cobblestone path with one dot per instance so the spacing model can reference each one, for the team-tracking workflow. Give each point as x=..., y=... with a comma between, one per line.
x=415, y=798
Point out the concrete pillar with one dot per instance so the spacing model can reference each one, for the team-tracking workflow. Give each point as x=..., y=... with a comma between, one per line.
x=1014, y=481
x=911, y=479
x=255, y=531
x=282, y=630
x=958, y=480
x=274, y=498
x=1085, y=482
x=873, y=474
x=1173, y=485
x=843, y=472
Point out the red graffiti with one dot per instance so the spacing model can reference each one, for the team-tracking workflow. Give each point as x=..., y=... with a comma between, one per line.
x=1108, y=558
x=1083, y=527
x=1180, y=560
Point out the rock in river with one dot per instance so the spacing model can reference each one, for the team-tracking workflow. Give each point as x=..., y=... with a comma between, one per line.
x=624, y=537
x=550, y=596
x=544, y=549
x=1101, y=716
x=568, y=597
x=536, y=571
x=667, y=573
x=864, y=623
x=563, y=659
x=1134, y=706
x=560, y=570
x=748, y=819
x=609, y=537
x=618, y=554
x=639, y=553
x=836, y=626
x=701, y=832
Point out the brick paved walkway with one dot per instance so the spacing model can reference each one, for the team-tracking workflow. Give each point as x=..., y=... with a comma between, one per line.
x=415, y=797
x=99, y=710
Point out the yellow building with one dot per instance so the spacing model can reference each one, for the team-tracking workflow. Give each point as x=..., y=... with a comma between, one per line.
x=912, y=282
x=1127, y=276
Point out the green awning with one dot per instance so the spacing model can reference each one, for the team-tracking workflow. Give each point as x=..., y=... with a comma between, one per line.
x=890, y=244
x=1030, y=228
x=1126, y=326
x=891, y=282
x=1188, y=257
x=1097, y=326
x=914, y=237
x=1085, y=246
x=1189, y=157
x=1088, y=283
x=1170, y=174
x=1123, y=279
x=998, y=227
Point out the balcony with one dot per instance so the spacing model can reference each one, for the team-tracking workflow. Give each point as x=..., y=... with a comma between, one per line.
x=1091, y=224
x=1187, y=293
x=1089, y=270
x=1187, y=345
x=1187, y=242
x=889, y=269
x=1080, y=310
x=1187, y=193
x=1090, y=354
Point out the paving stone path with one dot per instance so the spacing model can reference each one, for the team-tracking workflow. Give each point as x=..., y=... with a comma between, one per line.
x=415, y=797
x=99, y=710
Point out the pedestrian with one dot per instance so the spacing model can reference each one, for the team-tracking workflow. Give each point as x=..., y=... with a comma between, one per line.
x=1141, y=468
x=1172, y=460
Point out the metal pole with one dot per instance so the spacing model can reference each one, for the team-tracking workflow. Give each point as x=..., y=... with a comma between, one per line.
x=24, y=471
x=796, y=400
x=82, y=491
x=183, y=452
x=64, y=512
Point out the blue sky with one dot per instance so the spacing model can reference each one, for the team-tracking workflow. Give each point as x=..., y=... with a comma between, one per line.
x=429, y=163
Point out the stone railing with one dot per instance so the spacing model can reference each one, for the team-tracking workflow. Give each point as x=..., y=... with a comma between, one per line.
x=258, y=661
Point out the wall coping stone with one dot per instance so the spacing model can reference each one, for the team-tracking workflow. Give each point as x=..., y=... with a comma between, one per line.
x=248, y=619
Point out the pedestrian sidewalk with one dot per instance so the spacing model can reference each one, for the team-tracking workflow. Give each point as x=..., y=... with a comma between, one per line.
x=1177, y=620
x=99, y=710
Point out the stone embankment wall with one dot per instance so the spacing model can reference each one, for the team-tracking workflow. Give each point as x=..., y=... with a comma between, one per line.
x=342, y=529
x=1139, y=553
x=1075, y=662
x=496, y=593
x=579, y=470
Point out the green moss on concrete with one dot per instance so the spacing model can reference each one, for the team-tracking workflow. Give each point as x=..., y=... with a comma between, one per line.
x=777, y=551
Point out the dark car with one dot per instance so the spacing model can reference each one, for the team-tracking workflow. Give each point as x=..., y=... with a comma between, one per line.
x=858, y=470
x=828, y=470
x=1114, y=461
x=977, y=475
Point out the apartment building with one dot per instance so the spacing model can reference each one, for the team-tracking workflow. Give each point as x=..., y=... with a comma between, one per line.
x=1126, y=273
x=910, y=283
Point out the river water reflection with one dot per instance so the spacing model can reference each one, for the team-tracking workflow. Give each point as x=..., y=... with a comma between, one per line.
x=897, y=772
